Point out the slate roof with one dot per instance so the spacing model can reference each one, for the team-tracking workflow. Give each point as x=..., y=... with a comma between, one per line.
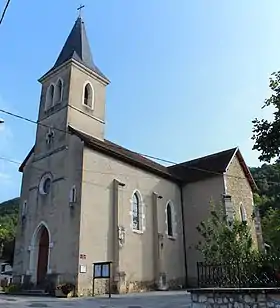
x=203, y=167
x=187, y=172
x=123, y=154
x=210, y=166
x=77, y=47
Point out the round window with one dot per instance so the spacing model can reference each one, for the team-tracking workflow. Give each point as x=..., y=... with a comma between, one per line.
x=45, y=184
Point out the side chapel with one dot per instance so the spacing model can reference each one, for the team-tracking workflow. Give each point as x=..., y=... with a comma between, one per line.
x=85, y=199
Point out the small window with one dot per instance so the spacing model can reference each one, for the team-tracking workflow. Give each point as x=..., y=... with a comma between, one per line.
x=169, y=214
x=24, y=209
x=49, y=97
x=170, y=220
x=45, y=184
x=88, y=96
x=58, y=91
x=73, y=195
x=243, y=213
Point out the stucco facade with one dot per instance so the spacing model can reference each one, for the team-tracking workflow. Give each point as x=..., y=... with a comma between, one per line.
x=85, y=199
x=197, y=199
x=136, y=256
x=51, y=211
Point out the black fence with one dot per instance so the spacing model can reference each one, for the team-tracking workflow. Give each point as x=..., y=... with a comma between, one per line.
x=239, y=275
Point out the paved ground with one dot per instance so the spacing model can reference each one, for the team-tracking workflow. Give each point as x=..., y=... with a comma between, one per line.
x=178, y=299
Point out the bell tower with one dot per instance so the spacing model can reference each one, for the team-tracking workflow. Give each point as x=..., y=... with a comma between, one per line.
x=73, y=93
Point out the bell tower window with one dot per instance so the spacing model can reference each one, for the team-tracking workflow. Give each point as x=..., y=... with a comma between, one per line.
x=58, y=91
x=88, y=96
x=49, y=97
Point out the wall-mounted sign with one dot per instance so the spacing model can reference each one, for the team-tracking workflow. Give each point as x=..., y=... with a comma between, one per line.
x=83, y=268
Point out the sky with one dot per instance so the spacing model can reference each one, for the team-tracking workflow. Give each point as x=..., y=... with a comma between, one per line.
x=187, y=76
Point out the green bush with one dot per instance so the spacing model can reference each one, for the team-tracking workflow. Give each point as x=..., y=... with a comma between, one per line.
x=12, y=288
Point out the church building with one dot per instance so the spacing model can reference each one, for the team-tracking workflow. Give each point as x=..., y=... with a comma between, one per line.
x=85, y=199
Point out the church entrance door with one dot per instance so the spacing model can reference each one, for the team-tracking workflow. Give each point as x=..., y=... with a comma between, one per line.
x=43, y=255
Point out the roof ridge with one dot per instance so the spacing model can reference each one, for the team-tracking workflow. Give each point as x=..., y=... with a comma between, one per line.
x=206, y=156
x=124, y=154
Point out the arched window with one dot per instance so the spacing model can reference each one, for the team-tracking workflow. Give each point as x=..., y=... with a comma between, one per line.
x=88, y=96
x=137, y=212
x=243, y=213
x=169, y=219
x=58, y=91
x=24, y=209
x=49, y=97
x=73, y=195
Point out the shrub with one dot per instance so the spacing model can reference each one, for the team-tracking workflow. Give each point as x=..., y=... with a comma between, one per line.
x=12, y=288
x=66, y=288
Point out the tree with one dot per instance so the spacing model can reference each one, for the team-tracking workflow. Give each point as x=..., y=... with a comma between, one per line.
x=223, y=242
x=9, y=211
x=271, y=230
x=266, y=134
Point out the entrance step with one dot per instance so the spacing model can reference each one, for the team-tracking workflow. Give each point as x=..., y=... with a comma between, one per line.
x=34, y=293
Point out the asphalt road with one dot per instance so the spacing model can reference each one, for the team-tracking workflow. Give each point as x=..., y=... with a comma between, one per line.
x=178, y=299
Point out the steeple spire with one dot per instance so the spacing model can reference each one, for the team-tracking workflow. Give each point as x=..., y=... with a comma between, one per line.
x=77, y=48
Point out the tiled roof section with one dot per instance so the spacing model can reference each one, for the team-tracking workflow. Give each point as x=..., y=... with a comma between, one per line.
x=123, y=154
x=204, y=167
x=77, y=47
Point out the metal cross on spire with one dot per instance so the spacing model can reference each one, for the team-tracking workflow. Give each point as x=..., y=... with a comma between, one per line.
x=80, y=9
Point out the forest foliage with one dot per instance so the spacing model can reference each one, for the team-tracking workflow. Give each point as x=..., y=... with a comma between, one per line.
x=9, y=211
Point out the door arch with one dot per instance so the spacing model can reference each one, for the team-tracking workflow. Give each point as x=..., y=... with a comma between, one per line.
x=40, y=253
x=43, y=254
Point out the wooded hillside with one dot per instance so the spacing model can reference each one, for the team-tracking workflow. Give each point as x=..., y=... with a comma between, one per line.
x=8, y=222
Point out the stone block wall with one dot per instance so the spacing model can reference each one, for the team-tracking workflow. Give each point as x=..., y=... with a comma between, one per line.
x=235, y=298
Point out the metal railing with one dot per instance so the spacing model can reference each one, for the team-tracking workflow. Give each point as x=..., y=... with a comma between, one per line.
x=237, y=275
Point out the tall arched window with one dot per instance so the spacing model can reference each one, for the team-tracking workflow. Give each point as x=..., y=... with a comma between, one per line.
x=88, y=96
x=24, y=209
x=49, y=97
x=73, y=195
x=169, y=220
x=136, y=212
x=243, y=213
x=58, y=91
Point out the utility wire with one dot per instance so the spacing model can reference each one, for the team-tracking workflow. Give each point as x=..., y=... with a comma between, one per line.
x=65, y=177
x=5, y=10
x=67, y=132
x=144, y=155
x=32, y=121
x=131, y=175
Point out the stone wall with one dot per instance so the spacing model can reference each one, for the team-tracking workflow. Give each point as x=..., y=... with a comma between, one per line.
x=238, y=187
x=235, y=298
